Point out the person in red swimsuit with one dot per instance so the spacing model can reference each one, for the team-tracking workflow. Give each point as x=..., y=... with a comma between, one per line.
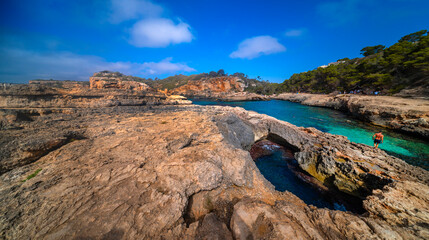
x=378, y=138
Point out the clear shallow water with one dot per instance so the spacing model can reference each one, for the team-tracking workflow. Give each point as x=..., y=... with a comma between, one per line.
x=412, y=150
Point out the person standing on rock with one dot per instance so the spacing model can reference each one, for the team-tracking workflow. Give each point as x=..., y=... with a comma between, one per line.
x=378, y=138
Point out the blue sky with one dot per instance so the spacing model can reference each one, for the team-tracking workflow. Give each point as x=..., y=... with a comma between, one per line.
x=64, y=39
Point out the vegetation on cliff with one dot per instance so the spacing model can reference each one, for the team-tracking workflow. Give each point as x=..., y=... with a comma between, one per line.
x=172, y=82
x=389, y=70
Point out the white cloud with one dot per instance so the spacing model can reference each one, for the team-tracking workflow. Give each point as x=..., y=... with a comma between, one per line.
x=165, y=66
x=295, y=32
x=123, y=10
x=149, y=28
x=19, y=66
x=159, y=32
x=257, y=46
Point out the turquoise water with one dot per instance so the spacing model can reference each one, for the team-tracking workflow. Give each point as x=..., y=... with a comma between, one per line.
x=412, y=150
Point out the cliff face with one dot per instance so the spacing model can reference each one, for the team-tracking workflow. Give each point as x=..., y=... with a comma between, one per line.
x=209, y=86
x=109, y=80
x=227, y=88
x=31, y=96
x=24, y=102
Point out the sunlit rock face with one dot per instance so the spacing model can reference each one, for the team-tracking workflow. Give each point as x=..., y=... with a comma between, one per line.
x=39, y=97
x=184, y=172
x=211, y=85
x=112, y=80
x=225, y=88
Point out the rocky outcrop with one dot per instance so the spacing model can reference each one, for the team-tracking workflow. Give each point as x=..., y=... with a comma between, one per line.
x=225, y=88
x=401, y=114
x=211, y=85
x=130, y=177
x=110, y=80
x=184, y=172
x=333, y=159
x=54, y=96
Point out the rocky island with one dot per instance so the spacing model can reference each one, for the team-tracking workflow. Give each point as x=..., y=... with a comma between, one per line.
x=122, y=161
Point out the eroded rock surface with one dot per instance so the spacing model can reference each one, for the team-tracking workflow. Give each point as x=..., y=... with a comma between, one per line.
x=227, y=88
x=402, y=114
x=184, y=172
x=110, y=80
x=211, y=85
x=24, y=102
x=28, y=96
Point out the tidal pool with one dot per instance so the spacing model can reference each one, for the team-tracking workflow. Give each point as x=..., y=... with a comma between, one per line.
x=279, y=167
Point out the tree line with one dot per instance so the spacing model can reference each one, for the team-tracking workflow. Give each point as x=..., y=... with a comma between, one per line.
x=405, y=64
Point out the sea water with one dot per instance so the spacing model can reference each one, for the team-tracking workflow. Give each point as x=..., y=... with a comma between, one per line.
x=276, y=170
x=413, y=150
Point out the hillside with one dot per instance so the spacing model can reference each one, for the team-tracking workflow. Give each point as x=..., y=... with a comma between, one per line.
x=206, y=82
x=403, y=66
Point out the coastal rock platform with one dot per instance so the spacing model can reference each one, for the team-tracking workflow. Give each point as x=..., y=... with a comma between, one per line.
x=185, y=172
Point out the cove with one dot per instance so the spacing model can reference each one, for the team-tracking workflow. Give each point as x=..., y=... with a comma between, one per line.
x=410, y=149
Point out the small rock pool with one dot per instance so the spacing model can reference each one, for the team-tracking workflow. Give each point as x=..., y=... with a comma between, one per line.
x=279, y=167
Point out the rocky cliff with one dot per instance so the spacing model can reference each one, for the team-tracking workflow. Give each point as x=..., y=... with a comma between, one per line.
x=211, y=85
x=110, y=80
x=184, y=172
x=401, y=114
x=59, y=94
x=24, y=102
x=226, y=88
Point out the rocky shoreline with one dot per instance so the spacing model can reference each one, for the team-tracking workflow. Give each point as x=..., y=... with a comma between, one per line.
x=405, y=115
x=171, y=171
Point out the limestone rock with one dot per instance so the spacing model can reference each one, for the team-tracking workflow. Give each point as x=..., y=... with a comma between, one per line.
x=402, y=203
x=225, y=88
x=42, y=96
x=211, y=85
x=213, y=229
x=184, y=172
